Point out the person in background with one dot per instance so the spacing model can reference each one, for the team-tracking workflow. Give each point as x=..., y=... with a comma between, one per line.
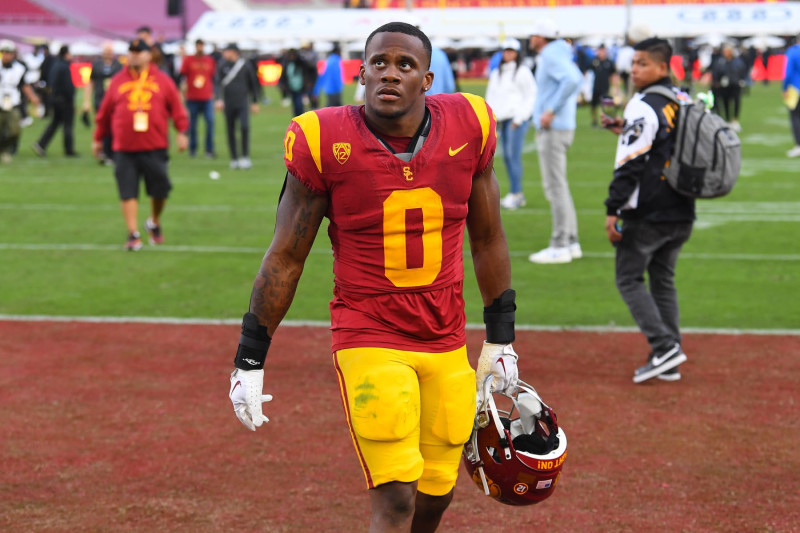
x=558, y=82
x=622, y=64
x=41, y=87
x=766, y=54
x=177, y=63
x=791, y=94
x=62, y=96
x=135, y=111
x=237, y=95
x=443, y=79
x=103, y=69
x=330, y=81
x=728, y=76
x=293, y=80
x=511, y=93
x=656, y=219
x=198, y=70
x=12, y=86
x=606, y=81
x=309, y=58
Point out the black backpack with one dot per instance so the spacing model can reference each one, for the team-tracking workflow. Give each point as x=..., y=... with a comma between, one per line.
x=707, y=155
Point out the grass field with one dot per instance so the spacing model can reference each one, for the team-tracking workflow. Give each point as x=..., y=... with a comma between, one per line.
x=61, y=240
x=106, y=427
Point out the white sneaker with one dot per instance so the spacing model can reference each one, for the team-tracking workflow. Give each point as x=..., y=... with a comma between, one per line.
x=245, y=163
x=551, y=256
x=25, y=122
x=794, y=152
x=735, y=126
x=234, y=164
x=575, y=250
x=513, y=200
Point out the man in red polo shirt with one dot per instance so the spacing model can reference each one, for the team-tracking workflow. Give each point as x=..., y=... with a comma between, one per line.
x=135, y=111
x=198, y=70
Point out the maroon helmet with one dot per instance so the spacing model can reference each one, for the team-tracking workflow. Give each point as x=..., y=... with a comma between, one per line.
x=516, y=456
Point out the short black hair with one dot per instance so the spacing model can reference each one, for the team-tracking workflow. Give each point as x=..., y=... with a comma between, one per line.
x=145, y=29
x=408, y=29
x=63, y=51
x=660, y=49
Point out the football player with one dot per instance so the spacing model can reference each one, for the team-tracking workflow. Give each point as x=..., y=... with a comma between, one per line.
x=399, y=179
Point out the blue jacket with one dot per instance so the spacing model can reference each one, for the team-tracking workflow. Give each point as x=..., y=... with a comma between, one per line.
x=558, y=80
x=791, y=75
x=443, y=80
x=330, y=82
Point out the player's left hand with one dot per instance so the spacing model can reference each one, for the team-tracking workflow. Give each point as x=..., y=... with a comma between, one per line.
x=245, y=394
x=499, y=361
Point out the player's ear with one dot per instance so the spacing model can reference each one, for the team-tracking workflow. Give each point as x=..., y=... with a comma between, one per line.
x=427, y=83
x=361, y=71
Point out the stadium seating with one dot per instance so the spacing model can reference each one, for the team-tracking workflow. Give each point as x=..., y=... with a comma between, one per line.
x=26, y=12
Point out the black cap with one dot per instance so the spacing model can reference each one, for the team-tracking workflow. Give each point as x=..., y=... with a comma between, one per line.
x=138, y=45
x=232, y=46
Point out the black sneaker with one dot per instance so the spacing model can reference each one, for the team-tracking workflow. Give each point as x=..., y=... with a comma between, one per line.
x=673, y=374
x=659, y=363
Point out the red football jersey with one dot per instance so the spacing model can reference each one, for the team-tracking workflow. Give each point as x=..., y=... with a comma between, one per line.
x=396, y=227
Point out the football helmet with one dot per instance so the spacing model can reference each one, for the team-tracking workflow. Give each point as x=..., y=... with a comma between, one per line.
x=515, y=456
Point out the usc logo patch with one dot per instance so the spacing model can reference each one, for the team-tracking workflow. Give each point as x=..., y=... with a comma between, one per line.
x=341, y=151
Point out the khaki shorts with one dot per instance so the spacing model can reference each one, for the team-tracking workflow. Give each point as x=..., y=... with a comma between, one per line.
x=9, y=128
x=409, y=413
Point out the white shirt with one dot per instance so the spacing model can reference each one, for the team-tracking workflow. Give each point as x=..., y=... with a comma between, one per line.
x=641, y=126
x=624, y=59
x=11, y=80
x=511, y=92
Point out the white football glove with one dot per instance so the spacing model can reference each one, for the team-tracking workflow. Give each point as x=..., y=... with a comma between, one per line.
x=246, y=396
x=499, y=361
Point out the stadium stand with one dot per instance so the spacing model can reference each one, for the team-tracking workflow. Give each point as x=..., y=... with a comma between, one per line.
x=74, y=19
x=26, y=12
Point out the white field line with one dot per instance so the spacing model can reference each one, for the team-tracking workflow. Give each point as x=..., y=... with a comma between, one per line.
x=79, y=247
x=326, y=324
x=733, y=211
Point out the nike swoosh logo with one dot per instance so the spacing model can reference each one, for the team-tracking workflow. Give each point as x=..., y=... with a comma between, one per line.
x=454, y=152
x=658, y=361
x=234, y=387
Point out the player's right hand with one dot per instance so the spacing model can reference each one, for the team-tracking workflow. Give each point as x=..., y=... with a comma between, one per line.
x=245, y=394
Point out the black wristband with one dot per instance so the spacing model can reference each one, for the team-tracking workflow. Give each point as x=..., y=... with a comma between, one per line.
x=499, y=318
x=253, y=344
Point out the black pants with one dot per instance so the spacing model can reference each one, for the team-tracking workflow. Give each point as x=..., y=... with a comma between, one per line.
x=63, y=115
x=652, y=248
x=794, y=117
x=242, y=115
x=727, y=99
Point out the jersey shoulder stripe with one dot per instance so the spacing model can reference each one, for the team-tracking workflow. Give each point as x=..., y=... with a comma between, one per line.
x=309, y=123
x=478, y=105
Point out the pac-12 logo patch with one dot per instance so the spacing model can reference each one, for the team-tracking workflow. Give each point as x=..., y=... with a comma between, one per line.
x=341, y=151
x=520, y=488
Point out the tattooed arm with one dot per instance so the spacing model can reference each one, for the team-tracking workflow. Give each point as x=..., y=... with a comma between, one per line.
x=300, y=213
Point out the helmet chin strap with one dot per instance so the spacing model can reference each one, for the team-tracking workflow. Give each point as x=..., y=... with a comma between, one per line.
x=501, y=431
x=483, y=480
